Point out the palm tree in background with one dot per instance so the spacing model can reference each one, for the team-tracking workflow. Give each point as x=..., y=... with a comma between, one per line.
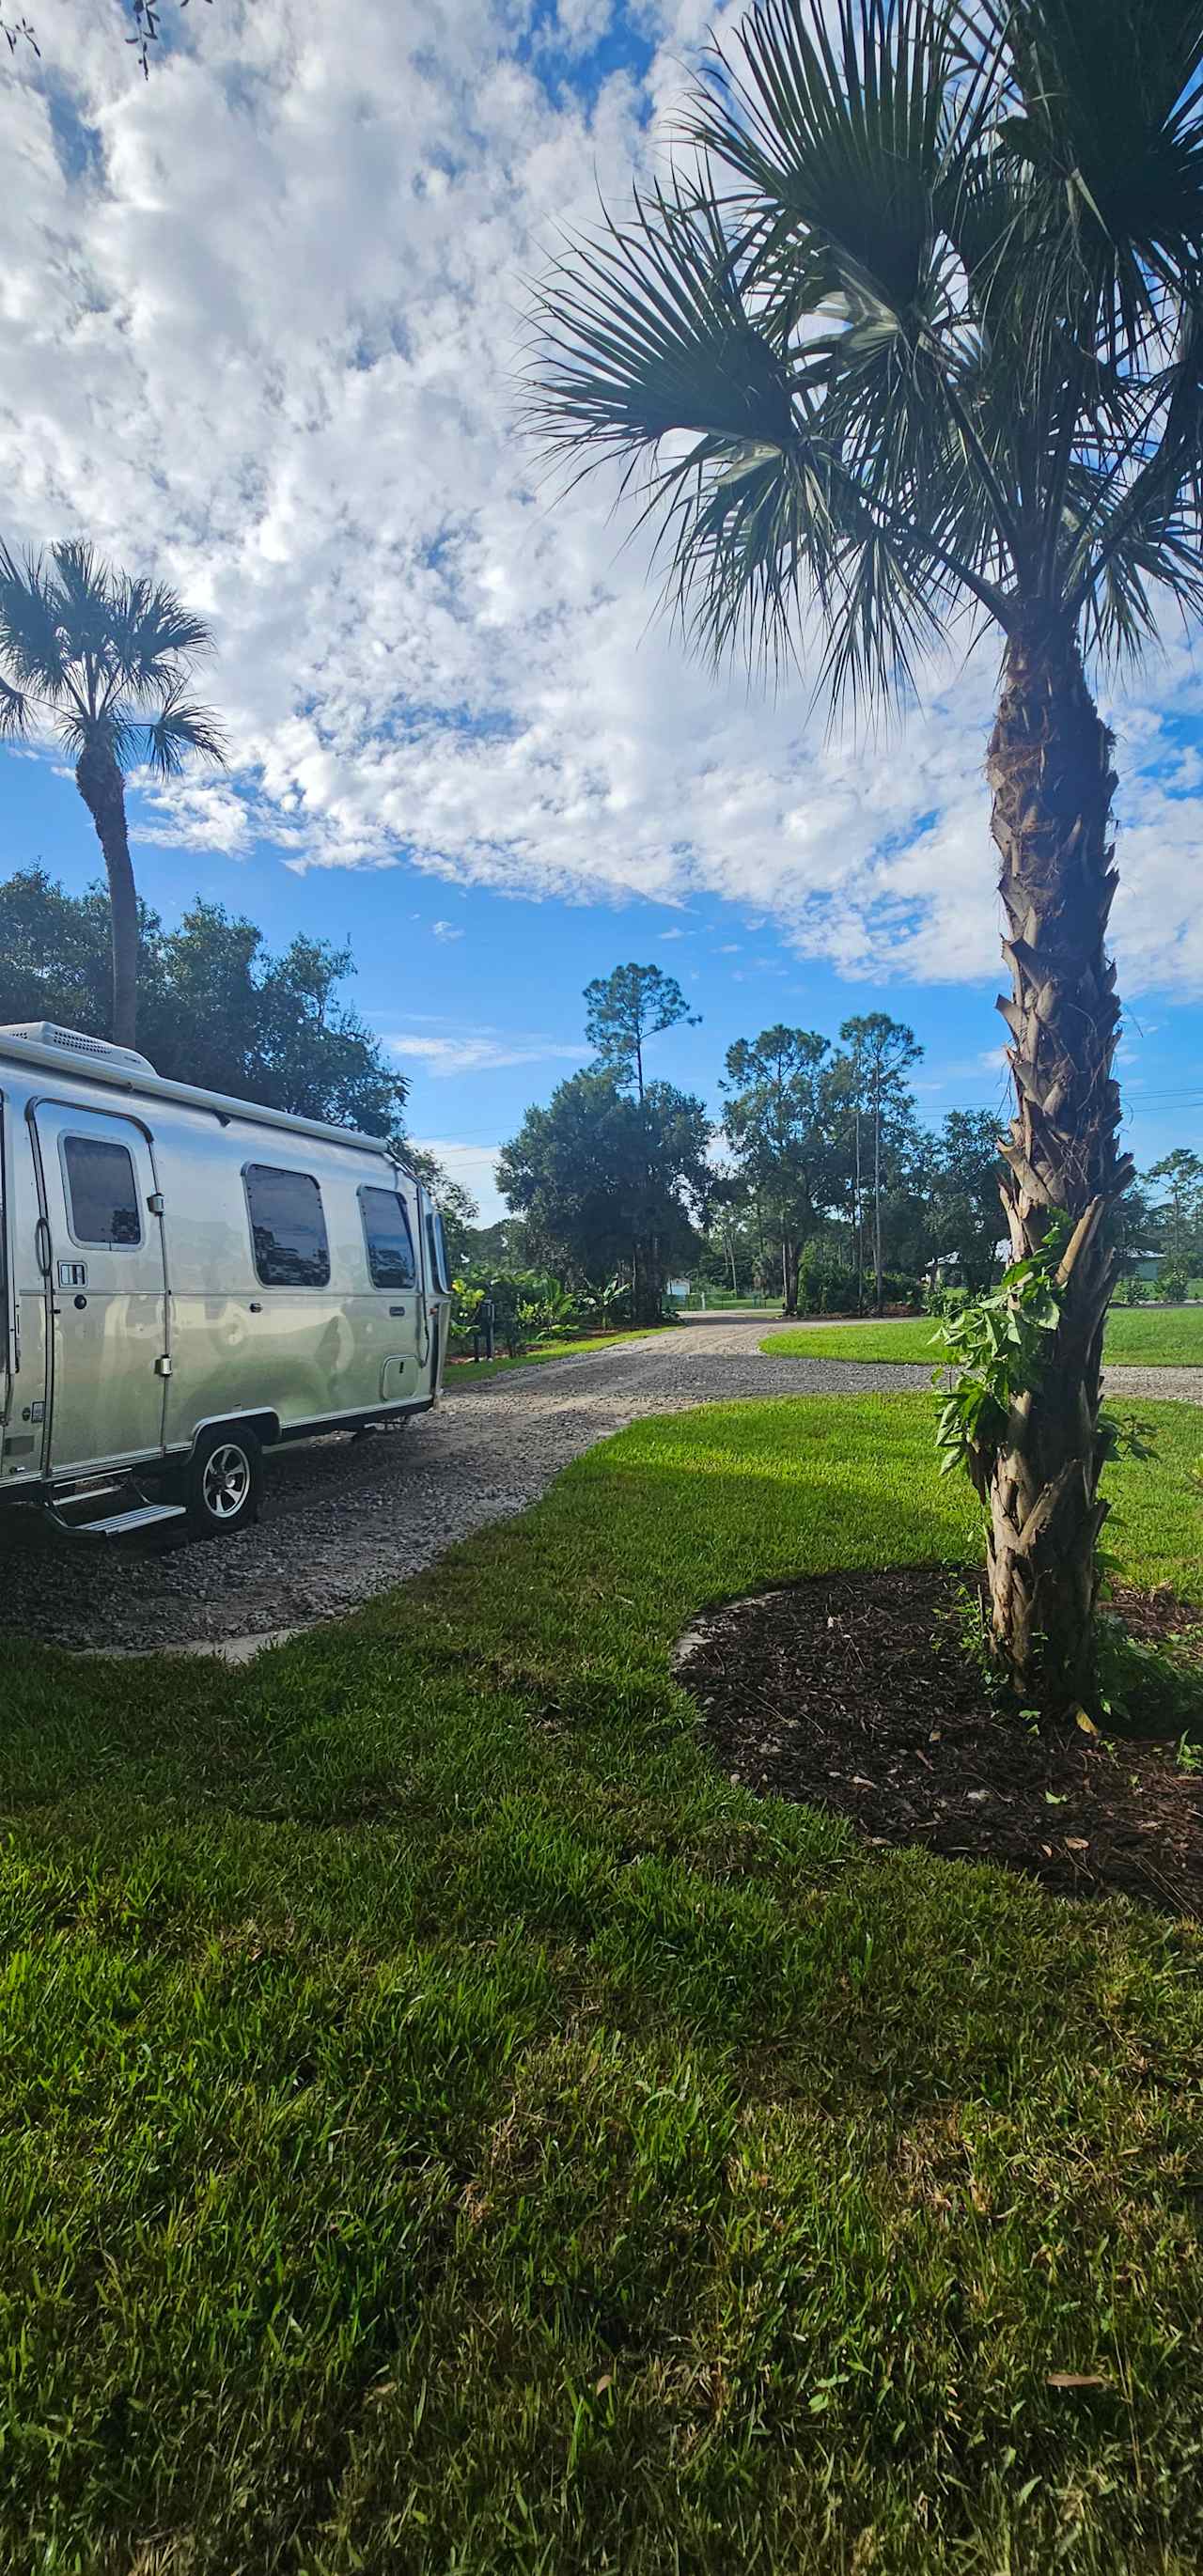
x=105, y=660
x=924, y=297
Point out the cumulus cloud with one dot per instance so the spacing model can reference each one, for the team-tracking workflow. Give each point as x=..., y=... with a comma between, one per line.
x=259, y=321
x=192, y=814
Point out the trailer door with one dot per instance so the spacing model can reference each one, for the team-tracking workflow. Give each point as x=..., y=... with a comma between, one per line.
x=390, y=1327
x=106, y=1285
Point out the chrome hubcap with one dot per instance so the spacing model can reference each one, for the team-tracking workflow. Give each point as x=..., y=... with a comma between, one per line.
x=226, y=1481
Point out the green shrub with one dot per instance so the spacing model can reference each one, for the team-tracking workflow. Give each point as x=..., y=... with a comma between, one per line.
x=1131, y=1292
x=945, y=1301
x=826, y=1283
x=605, y=1306
x=1172, y=1286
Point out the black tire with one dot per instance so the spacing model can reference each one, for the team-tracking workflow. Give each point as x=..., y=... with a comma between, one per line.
x=224, y=1481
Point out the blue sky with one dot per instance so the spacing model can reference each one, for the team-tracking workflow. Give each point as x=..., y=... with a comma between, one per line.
x=259, y=321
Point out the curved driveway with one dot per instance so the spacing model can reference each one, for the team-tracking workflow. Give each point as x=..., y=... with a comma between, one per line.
x=344, y=1519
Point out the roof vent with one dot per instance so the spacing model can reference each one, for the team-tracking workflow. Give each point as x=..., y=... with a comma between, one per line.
x=46, y=1033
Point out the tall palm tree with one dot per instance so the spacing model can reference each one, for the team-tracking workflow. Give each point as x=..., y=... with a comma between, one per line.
x=925, y=295
x=105, y=660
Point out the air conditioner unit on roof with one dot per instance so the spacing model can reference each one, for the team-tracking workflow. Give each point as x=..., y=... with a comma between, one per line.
x=46, y=1033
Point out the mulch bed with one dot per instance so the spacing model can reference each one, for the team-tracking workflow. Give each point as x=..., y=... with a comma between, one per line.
x=856, y=1692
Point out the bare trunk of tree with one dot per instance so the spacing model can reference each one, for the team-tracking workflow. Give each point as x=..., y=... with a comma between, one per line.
x=1050, y=775
x=102, y=788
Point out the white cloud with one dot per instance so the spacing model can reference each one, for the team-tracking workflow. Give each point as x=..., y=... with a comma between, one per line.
x=476, y=1051
x=191, y=814
x=259, y=320
x=446, y=930
x=577, y=26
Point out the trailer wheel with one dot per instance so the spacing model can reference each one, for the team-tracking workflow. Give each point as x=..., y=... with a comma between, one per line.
x=225, y=1479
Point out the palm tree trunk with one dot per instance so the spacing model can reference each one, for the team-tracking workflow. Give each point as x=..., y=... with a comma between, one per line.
x=1049, y=768
x=102, y=788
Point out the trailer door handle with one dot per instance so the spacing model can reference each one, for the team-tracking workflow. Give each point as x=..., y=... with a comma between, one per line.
x=255, y=1307
x=396, y=1310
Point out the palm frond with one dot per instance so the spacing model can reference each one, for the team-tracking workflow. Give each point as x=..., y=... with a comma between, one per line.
x=644, y=331
x=82, y=593
x=80, y=730
x=152, y=635
x=893, y=610
x=32, y=644
x=1141, y=516
x=180, y=730
x=1107, y=130
x=749, y=532
x=839, y=138
x=925, y=305
x=14, y=712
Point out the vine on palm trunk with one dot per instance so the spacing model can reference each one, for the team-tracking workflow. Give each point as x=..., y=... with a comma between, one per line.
x=998, y=1346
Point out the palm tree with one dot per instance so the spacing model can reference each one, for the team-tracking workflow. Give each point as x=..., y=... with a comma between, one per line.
x=926, y=299
x=105, y=659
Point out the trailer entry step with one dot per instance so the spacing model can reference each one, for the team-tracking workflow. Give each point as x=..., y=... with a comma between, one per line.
x=124, y=1524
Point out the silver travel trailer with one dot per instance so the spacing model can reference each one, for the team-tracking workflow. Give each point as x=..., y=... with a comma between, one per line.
x=186, y=1279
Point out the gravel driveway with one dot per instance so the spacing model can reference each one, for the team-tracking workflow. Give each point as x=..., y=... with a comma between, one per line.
x=342, y=1519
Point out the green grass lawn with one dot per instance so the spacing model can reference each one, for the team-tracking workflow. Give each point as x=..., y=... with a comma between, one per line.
x=1172, y=1337
x=450, y=2128
x=470, y=1372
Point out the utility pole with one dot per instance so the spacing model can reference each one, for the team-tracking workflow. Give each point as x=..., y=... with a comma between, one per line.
x=860, y=1226
x=877, y=1295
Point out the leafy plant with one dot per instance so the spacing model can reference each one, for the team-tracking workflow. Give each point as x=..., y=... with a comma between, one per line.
x=529, y=1305
x=999, y=1346
x=606, y=1305
x=947, y=1302
x=1172, y=1286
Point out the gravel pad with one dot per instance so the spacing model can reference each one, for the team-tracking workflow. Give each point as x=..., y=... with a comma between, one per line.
x=343, y=1519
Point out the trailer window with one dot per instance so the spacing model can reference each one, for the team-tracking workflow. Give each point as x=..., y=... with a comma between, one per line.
x=102, y=1192
x=288, y=1228
x=388, y=1238
x=438, y=1250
